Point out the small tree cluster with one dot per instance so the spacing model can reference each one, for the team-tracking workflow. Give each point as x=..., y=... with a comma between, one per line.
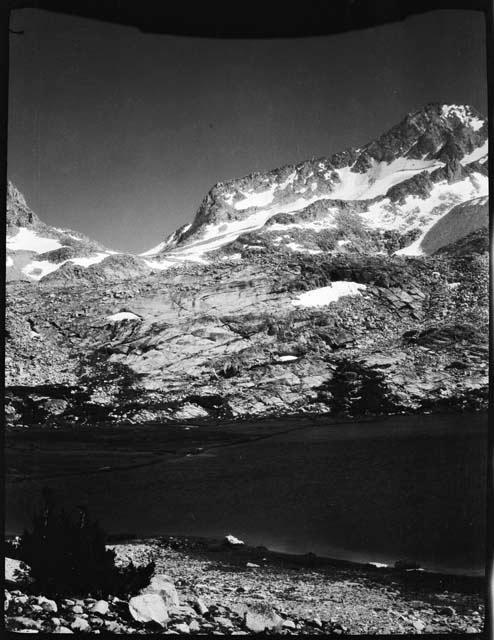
x=68, y=556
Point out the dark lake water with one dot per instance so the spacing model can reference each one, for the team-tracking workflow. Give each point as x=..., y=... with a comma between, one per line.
x=410, y=487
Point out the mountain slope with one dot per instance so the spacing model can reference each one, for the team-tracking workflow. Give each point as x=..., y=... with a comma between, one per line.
x=402, y=182
x=39, y=252
x=364, y=295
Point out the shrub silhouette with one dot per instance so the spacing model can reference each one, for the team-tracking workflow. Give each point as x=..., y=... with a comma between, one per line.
x=68, y=556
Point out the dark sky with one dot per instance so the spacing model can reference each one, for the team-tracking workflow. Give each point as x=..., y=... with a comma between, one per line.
x=120, y=134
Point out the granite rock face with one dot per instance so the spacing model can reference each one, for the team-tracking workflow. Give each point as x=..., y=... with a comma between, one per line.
x=350, y=285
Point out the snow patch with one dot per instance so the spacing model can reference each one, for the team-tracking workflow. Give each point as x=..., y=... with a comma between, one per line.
x=294, y=246
x=286, y=358
x=122, y=315
x=86, y=262
x=381, y=176
x=442, y=199
x=255, y=199
x=479, y=154
x=9, y=262
x=289, y=180
x=37, y=269
x=324, y=295
x=464, y=114
x=29, y=240
x=418, y=212
x=172, y=238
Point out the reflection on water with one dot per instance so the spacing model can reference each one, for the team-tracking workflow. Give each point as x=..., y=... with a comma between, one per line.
x=407, y=487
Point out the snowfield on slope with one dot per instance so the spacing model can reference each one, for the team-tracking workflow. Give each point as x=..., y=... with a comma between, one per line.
x=37, y=269
x=464, y=114
x=443, y=198
x=379, y=178
x=324, y=295
x=29, y=240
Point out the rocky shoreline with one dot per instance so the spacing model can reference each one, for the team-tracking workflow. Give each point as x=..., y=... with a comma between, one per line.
x=228, y=588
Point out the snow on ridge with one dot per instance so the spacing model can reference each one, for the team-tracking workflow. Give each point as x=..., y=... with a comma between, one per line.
x=29, y=240
x=355, y=186
x=255, y=199
x=166, y=243
x=417, y=211
x=379, y=178
x=480, y=153
x=289, y=180
x=37, y=269
x=463, y=113
x=86, y=262
x=463, y=192
x=122, y=315
x=295, y=246
x=324, y=295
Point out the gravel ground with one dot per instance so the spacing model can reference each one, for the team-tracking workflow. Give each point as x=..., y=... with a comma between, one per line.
x=317, y=595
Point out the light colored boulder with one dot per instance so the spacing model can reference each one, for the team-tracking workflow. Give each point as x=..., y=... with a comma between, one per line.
x=163, y=586
x=261, y=617
x=15, y=571
x=233, y=541
x=80, y=625
x=47, y=604
x=100, y=607
x=200, y=607
x=149, y=607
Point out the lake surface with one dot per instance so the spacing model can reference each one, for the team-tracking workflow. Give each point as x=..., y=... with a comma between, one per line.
x=409, y=487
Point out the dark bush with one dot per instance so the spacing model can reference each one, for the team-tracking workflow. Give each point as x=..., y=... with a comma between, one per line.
x=68, y=556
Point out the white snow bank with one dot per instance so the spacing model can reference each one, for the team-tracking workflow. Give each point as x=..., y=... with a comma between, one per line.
x=255, y=199
x=463, y=113
x=289, y=180
x=36, y=269
x=380, y=177
x=442, y=199
x=324, y=295
x=418, y=212
x=286, y=358
x=29, y=240
x=295, y=246
x=169, y=242
x=480, y=153
x=122, y=315
x=9, y=262
x=86, y=262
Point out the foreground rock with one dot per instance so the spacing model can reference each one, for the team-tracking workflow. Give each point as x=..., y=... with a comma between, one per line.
x=149, y=607
x=199, y=591
x=16, y=572
x=261, y=617
x=163, y=586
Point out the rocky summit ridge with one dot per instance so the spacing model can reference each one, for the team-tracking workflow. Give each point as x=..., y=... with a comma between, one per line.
x=349, y=285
